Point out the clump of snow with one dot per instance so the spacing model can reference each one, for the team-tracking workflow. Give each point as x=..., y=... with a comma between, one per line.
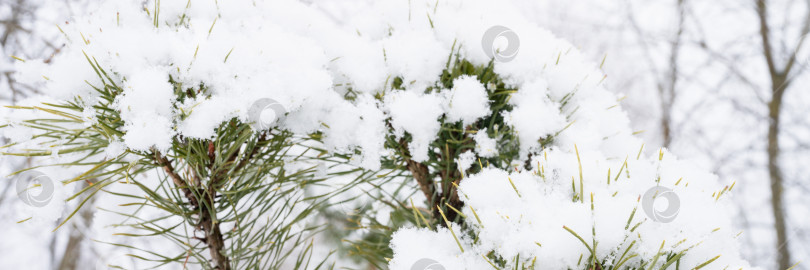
x=465, y=161
x=427, y=248
x=467, y=101
x=535, y=116
x=146, y=107
x=359, y=125
x=484, y=145
x=416, y=114
x=417, y=72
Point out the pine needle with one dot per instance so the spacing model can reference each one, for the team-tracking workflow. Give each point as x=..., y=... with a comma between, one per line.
x=794, y=266
x=456, y=210
x=476, y=216
x=18, y=59
x=514, y=187
x=415, y=214
x=706, y=263
x=490, y=263
x=450, y=228
x=581, y=187
x=580, y=238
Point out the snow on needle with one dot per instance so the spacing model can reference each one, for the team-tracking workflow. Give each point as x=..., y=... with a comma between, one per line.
x=476, y=216
x=459, y=190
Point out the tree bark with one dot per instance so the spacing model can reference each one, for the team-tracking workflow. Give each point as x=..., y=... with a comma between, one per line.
x=214, y=240
x=435, y=198
x=780, y=81
x=667, y=93
x=73, y=249
x=421, y=174
x=775, y=173
x=213, y=235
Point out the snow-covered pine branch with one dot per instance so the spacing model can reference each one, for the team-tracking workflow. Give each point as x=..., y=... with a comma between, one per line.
x=520, y=163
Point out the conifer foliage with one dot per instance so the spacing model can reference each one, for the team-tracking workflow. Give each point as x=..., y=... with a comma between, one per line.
x=243, y=132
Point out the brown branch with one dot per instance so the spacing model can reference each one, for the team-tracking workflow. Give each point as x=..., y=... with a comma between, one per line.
x=780, y=81
x=803, y=36
x=214, y=238
x=435, y=198
x=178, y=181
x=765, y=35
x=213, y=235
x=421, y=173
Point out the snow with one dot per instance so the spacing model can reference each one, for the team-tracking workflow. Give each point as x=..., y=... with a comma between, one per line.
x=186, y=77
x=416, y=114
x=437, y=246
x=467, y=101
x=416, y=72
x=484, y=145
x=465, y=161
x=534, y=116
x=512, y=225
x=357, y=126
x=146, y=107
